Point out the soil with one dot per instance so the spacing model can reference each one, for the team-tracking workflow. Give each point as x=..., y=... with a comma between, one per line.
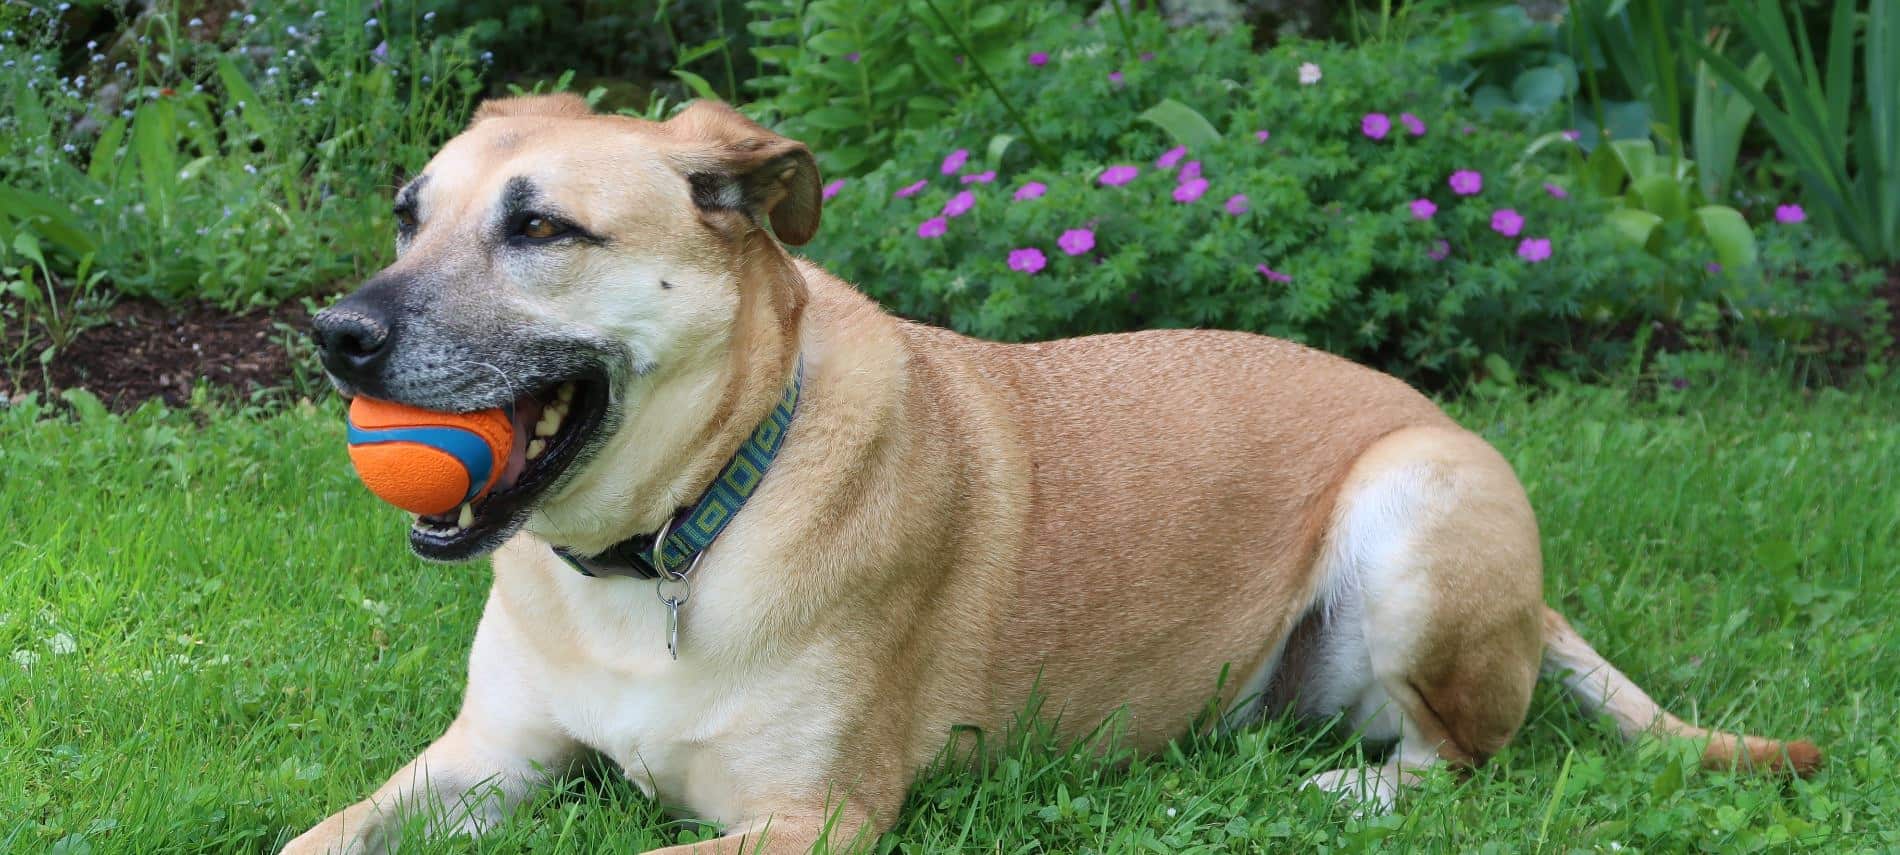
x=148, y=350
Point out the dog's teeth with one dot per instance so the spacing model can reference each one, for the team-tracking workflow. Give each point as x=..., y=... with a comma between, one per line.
x=550, y=423
x=567, y=392
x=468, y=516
x=535, y=447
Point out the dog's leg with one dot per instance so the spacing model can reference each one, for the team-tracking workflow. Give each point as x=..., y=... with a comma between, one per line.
x=1434, y=592
x=842, y=832
x=498, y=749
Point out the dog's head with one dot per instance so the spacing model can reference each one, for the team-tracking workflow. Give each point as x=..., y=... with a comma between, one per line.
x=609, y=278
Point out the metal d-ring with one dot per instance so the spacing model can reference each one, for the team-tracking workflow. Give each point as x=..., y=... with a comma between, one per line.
x=673, y=589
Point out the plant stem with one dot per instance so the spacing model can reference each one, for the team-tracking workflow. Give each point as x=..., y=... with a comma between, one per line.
x=1042, y=152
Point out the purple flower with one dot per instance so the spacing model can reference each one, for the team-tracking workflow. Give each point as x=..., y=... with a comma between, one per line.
x=1573, y=135
x=980, y=177
x=381, y=52
x=1032, y=190
x=1262, y=136
x=1789, y=214
x=1507, y=222
x=1027, y=260
x=1375, y=125
x=1190, y=190
x=910, y=190
x=954, y=163
x=1534, y=250
x=1039, y=59
x=1271, y=274
x=1441, y=250
x=1147, y=56
x=1076, y=241
x=1465, y=182
x=833, y=188
x=1189, y=172
x=1237, y=204
x=853, y=56
x=1171, y=157
x=1119, y=174
x=1713, y=267
x=933, y=227
x=959, y=204
x=1115, y=77
x=1678, y=383
x=1556, y=190
x=1423, y=208
x=1413, y=124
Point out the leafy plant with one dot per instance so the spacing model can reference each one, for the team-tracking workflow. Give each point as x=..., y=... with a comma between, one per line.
x=1324, y=212
x=1845, y=149
x=847, y=75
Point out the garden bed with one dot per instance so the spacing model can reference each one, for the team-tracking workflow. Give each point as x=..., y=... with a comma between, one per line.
x=146, y=350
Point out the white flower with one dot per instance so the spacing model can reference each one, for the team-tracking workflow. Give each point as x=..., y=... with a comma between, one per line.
x=318, y=14
x=369, y=24
x=250, y=169
x=64, y=6
x=25, y=658
x=61, y=644
x=250, y=19
x=69, y=148
x=1309, y=74
x=195, y=23
x=1170, y=813
x=271, y=71
x=428, y=16
x=89, y=45
x=98, y=57
x=291, y=31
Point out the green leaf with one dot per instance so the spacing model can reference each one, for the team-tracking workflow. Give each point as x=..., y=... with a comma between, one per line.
x=1734, y=241
x=244, y=99
x=1663, y=196
x=698, y=84
x=690, y=54
x=992, y=16
x=1183, y=124
x=1634, y=224
x=833, y=118
x=105, y=152
x=1637, y=157
x=833, y=43
x=999, y=144
x=1668, y=782
x=86, y=404
x=1539, y=89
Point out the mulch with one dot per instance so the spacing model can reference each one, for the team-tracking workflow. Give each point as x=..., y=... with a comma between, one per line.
x=148, y=350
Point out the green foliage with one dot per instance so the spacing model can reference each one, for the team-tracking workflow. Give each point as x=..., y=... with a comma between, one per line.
x=1348, y=265
x=1845, y=146
x=238, y=160
x=846, y=76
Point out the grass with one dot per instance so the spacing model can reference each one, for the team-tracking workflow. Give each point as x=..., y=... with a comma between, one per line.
x=217, y=637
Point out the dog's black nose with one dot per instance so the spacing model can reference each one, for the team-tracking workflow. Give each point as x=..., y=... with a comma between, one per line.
x=353, y=338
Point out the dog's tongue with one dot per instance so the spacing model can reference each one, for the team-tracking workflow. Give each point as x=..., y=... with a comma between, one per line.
x=527, y=412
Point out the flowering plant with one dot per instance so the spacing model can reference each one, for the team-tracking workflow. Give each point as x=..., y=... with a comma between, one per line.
x=1341, y=197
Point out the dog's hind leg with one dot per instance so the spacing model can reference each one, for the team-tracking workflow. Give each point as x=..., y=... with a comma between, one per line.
x=1430, y=610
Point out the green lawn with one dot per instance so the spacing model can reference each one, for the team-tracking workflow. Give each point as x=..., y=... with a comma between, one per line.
x=216, y=636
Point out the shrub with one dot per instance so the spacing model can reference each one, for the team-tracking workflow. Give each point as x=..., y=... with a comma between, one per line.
x=1320, y=214
x=242, y=159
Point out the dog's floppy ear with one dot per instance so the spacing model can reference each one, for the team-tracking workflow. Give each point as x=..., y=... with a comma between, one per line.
x=562, y=105
x=733, y=164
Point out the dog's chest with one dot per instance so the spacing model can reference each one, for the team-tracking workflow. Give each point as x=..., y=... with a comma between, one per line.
x=689, y=732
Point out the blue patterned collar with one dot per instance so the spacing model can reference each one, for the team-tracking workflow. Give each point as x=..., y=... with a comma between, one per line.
x=695, y=527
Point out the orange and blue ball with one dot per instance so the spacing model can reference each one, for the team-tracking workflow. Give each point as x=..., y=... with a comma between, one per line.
x=425, y=461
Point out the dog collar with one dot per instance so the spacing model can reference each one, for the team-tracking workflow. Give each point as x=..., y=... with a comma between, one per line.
x=689, y=532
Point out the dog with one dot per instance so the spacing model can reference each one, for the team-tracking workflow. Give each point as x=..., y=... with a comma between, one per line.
x=934, y=529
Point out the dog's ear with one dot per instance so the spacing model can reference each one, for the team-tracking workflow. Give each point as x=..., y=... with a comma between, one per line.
x=562, y=105
x=733, y=164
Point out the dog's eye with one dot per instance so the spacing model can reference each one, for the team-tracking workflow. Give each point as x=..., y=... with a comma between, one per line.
x=405, y=219
x=540, y=228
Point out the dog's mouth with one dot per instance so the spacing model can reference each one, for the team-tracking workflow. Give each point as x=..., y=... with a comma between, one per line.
x=554, y=428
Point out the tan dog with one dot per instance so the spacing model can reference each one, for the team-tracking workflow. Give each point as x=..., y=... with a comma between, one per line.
x=949, y=525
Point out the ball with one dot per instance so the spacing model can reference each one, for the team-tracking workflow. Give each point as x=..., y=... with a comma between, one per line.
x=424, y=461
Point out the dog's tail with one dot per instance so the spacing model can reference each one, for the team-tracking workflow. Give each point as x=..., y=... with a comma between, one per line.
x=1599, y=687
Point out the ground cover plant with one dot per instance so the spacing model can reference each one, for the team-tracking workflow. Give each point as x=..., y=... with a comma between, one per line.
x=1122, y=177
x=231, y=639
